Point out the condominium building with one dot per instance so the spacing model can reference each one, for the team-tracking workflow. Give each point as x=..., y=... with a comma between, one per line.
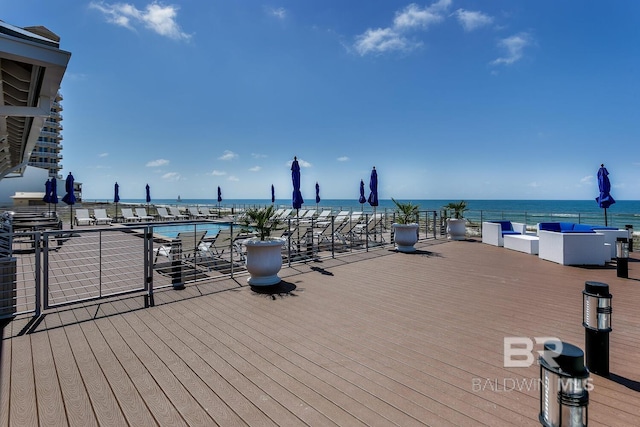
x=47, y=151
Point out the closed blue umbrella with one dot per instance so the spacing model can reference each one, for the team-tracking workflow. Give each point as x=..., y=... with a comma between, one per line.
x=362, y=199
x=116, y=197
x=604, y=199
x=148, y=196
x=295, y=178
x=373, y=186
x=273, y=194
x=317, y=195
x=219, y=195
x=54, y=194
x=47, y=193
x=70, y=197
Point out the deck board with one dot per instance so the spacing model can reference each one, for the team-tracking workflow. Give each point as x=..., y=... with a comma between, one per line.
x=376, y=338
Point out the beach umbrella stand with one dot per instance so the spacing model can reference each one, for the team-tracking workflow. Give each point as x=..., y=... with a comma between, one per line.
x=373, y=195
x=116, y=198
x=297, y=199
x=604, y=199
x=70, y=197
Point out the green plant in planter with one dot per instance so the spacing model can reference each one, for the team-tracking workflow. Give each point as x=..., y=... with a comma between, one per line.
x=406, y=213
x=458, y=208
x=260, y=220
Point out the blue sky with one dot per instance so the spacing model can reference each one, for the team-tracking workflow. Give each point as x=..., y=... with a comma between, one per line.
x=452, y=99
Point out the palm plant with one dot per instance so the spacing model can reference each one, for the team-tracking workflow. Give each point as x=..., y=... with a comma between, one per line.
x=458, y=208
x=261, y=220
x=406, y=212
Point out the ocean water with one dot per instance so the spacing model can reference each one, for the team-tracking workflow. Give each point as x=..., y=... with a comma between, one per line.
x=621, y=213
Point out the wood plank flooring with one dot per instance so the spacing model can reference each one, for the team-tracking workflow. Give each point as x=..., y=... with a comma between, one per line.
x=371, y=339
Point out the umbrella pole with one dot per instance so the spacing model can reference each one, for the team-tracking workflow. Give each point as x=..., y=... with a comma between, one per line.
x=605, y=217
x=71, y=216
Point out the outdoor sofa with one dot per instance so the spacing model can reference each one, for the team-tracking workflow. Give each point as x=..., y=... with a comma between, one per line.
x=610, y=233
x=493, y=232
x=569, y=243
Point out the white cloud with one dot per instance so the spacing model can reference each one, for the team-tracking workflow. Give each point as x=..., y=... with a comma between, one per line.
x=382, y=40
x=389, y=39
x=157, y=163
x=156, y=17
x=255, y=169
x=171, y=176
x=534, y=185
x=280, y=13
x=103, y=155
x=228, y=155
x=413, y=16
x=258, y=156
x=472, y=20
x=218, y=173
x=233, y=178
x=514, y=47
x=589, y=179
x=343, y=159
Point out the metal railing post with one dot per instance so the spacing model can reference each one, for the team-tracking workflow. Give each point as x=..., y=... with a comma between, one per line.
x=39, y=272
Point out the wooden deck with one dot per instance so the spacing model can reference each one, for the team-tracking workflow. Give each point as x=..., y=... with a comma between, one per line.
x=372, y=339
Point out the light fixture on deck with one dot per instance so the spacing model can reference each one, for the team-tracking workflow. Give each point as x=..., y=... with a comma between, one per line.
x=622, y=257
x=596, y=319
x=564, y=398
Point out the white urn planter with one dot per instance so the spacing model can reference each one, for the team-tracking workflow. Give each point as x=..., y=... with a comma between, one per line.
x=264, y=261
x=405, y=236
x=456, y=229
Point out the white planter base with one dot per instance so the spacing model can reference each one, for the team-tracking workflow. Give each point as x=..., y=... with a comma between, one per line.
x=264, y=261
x=456, y=229
x=405, y=236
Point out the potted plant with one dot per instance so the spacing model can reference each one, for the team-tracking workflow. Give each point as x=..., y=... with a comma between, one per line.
x=405, y=227
x=264, y=253
x=456, y=224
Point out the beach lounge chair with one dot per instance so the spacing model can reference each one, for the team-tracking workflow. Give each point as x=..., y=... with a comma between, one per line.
x=128, y=216
x=164, y=215
x=285, y=214
x=204, y=211
x=101, y=217
x=186, y=245
x=278, y=212
x=194, y=213
x=372, y=229
x=175, y=211
x=142, y=215
x=82, y=217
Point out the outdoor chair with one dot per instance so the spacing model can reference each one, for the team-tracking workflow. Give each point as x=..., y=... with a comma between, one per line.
x=164, y=215
x=82, y=217
x=142, y=215
x=175, y=211
x=101, y=217
x=128, y=216
x=194, y=213
x=186, y=245
x=205, y=211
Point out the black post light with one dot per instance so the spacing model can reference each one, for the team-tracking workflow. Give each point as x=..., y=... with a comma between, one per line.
x=629, y=227
x=563, y=386
x=596, y=319
x=622, y=257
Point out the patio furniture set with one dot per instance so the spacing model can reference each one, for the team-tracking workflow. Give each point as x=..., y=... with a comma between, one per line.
x=565, y=243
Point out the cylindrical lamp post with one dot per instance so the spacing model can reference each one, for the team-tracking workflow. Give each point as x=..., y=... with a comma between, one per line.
x=596, y=319
x=629, y=227
x=563, y=386
x=622, y=257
